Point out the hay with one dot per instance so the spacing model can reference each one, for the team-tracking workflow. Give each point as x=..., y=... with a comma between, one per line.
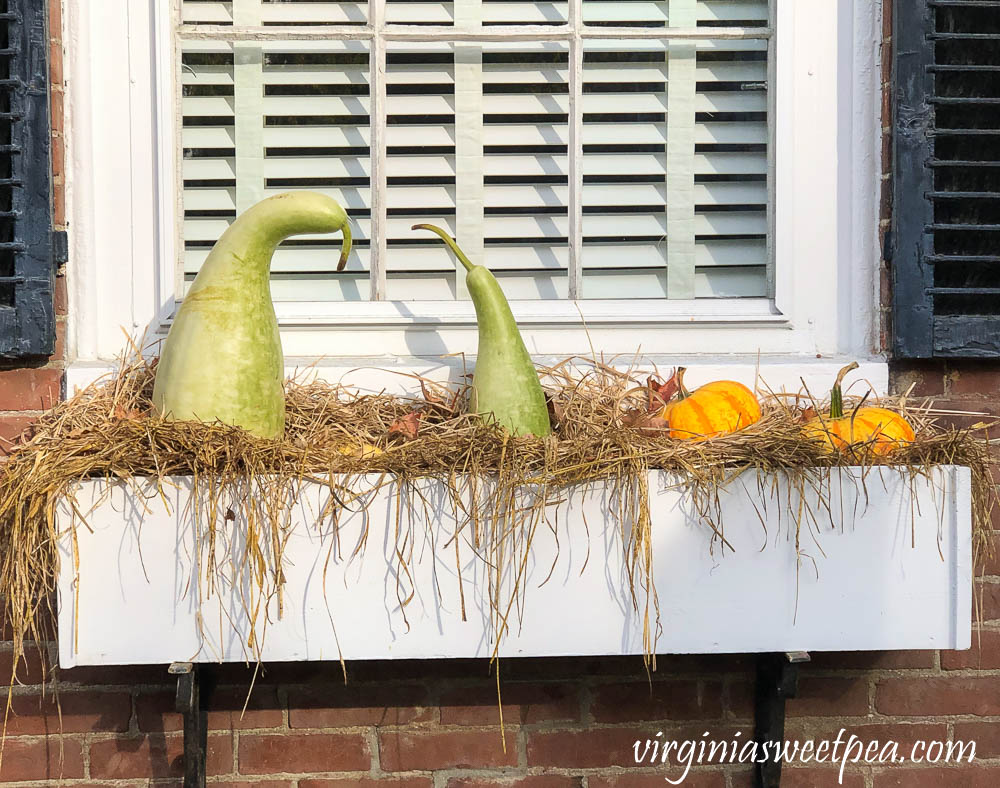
x=109, y=431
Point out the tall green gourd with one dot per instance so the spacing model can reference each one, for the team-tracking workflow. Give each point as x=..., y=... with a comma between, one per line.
x=222, y=359
x=505, y=384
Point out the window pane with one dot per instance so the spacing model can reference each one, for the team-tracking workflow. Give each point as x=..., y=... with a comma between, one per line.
x=675, y=147
x=526, y=167
x=420, y=169
x=717, y=164
x=264, y=118
x=524, y=12
x=420, y=12
x=649, y=13
x=276, y=12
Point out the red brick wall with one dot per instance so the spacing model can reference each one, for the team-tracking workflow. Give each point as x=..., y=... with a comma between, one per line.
x=569, y=723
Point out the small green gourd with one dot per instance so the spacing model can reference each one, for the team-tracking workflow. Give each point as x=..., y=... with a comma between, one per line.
x=505, y=384
x=222, y=359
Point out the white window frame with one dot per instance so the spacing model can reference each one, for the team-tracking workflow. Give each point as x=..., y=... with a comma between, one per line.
x=123, y=201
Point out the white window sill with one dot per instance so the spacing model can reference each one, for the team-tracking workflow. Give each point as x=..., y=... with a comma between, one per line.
x=395, y=374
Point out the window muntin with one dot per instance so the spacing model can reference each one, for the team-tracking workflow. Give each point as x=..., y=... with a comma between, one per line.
x=539, y=133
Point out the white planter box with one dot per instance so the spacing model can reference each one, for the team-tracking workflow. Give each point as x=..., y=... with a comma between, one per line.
x=889, y=568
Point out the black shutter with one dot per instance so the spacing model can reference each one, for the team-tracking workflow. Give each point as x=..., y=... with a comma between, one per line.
x=27, y=322
x=946, y=213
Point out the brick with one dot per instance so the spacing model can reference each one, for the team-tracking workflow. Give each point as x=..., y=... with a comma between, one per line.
x=30, y=667
x=979, y=412
x=885, y=199
x=44, y=623
x=802, y=777
x=329, y=706
x=155, y=711
x=633, y=779
x=885, y=283
x=978, y=378
x=659, y=700
x=904, y=734
x=872, y=660
x=984, y=654
x=58, y=81
x=830, y=697
x=932, y=696
x=82, y=712
x=988, y=595
x=60, y=296
x=369, y=782
x=51, y=758
x=523, y=703
x=955, y=777
x=817, y=697
x=990, y=565
x=251, y=783
x=739, y=699
x=59, y=350
x=58, y=147
x=12, y=429
x=29, y=388
x=407, y=750
x=595, y=748
x=58, y=206
x=986, y=735
x=300, y=753
x=926, y=377
x=130, y=757
x=55, y=19
x=537, y=781
x=583, y=749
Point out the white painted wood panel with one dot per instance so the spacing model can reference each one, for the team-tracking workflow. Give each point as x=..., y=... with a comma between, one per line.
x=889, y=569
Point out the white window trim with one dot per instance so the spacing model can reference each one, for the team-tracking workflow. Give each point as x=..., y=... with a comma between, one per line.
x=123, y=173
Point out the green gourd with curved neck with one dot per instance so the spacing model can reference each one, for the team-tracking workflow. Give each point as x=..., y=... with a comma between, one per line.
x=222, y=359
x=505, y=384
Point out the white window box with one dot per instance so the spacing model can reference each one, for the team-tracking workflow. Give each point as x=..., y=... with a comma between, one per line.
x=890, y=568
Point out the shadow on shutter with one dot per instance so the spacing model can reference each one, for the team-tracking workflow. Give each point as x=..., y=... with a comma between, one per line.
x=27, y=322
x=946, y=263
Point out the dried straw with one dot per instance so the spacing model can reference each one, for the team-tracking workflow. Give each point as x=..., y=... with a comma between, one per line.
x=500, y=485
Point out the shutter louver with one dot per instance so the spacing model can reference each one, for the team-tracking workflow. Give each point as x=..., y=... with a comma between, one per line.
x=946, y=261
x=27, y=321
x=478, y=138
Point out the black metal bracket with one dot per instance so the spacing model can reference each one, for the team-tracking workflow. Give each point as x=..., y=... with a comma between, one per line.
x=193, y=692
x=777, y=680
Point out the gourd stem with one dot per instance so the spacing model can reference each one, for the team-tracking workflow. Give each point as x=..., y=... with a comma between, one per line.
x=682, y=393
x=837, y=393
x=448, y=240
x=345, y=247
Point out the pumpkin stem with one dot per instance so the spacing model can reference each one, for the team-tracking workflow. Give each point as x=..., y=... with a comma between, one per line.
x=837, y=393
x=682, y=393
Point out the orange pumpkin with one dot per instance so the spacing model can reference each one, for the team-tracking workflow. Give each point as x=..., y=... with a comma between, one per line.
x=878, y=430
x=717, y=408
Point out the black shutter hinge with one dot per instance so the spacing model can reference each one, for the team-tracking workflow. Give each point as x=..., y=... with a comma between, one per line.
x=60, y=247
x=888, y=247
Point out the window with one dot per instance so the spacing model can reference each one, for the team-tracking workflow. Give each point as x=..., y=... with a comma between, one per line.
x=732, y=214
x=506, y=142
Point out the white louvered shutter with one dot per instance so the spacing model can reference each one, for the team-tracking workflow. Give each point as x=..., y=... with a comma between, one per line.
x=650, y=183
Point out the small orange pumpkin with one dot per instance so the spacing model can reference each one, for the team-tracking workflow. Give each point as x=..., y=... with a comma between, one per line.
x=879, y=430
x=717, y=408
